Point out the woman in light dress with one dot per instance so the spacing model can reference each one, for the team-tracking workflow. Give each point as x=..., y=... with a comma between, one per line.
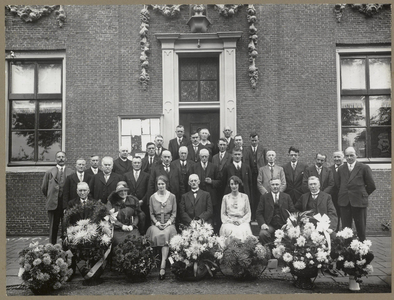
x=162, y=207
x=235, y=212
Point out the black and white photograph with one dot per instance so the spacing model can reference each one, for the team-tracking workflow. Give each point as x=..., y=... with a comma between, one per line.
x=198, y=149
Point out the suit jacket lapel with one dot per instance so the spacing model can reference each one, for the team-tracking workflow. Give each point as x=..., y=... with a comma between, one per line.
x=197, y=197
x=354, y=172
x=305, y=201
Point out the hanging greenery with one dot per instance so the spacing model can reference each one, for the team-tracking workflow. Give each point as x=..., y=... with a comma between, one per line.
x=253, y=70
x=32, y=13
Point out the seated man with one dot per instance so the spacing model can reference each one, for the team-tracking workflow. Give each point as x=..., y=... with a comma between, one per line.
x=272, y=210
x=318, y=202
x=195, y=204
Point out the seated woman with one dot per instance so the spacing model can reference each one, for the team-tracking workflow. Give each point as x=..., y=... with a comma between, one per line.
x=162, y=207
x=235, y=212
x=128, y=209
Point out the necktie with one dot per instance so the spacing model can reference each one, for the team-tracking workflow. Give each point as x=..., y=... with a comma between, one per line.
x=83, y=202
x=314, y=196
x=61, y=176
x=276, y=198
x=238, y=167
x=158, y=151
x=195, y=149
x=254, y=150
x=106, y=178
x=318, y=171
x=272, y=171
x=179, y=141
x=195, y=194
x=336, y=168
x=350, y=168
x=95, y=171
x=150, y=160
x=136, y=175
x=80, y=177
x=204, y=166
x=294, y=166
x=221, y=156
x=167, y=169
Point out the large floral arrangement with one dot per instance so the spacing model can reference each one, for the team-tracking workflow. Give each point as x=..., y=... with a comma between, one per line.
x=89, y=240
x=247, y=259
x=196, y=251
x=352, y=256
x=302, y=245
x=44, y=267
x=134, y=257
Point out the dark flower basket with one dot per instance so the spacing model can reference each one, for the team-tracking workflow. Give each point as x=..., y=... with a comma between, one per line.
x=196, y=272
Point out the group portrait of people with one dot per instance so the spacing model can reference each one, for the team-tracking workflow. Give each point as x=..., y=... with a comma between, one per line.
x=226, y=184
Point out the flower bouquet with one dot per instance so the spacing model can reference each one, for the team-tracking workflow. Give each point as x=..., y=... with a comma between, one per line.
x=134, y=257
x=247, y=259
x=352, y=256
x=195, y=252
x=44, y=268
x=303, y=247
x=90, y=242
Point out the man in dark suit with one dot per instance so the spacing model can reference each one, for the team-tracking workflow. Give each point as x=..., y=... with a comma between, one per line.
x=137, y=182
x=355, y=183
x=52, y=188
x=255, y=158
x=320, y=171
x=159, y=140
x=318, y=202
x=338, y=157
x=175, y=184
x=207, y=173
x=122, y=164
x=183, y=164
x=221, y=160
x=239, y=169
x=70, y=186
x=179, y=141
x=94, y=166
x=272, y=211
x=194, y=147
x=294, y=174
x=230, y=141
x=195, y=204
x=150, y=158
x=102, y=184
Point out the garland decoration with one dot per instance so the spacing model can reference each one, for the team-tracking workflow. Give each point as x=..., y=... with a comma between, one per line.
x=368, y=9
x=32, y=13
x=227, y=10
x=144, y=29
x=170, y=11
x=253, y=70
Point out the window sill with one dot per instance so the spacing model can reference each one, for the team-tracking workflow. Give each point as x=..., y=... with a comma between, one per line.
x=381, y=166
x=28, y=169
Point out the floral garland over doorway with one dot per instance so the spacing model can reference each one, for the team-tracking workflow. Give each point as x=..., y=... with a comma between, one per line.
x=367, y=9
x=32, y=13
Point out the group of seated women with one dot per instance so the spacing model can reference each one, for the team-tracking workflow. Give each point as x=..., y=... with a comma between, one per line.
x=235, y=215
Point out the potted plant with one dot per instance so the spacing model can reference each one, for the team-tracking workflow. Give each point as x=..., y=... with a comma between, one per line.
x=44, y=268
x=247, y=259
x=303, y=248
x=195, y=252
x=134, y=257
x=352, y=256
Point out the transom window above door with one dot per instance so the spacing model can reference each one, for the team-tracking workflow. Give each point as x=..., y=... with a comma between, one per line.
x=199, y=79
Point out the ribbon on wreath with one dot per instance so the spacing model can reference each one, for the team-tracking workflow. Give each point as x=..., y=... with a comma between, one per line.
x=323, y=225
x=102, y=260
x=112, y=216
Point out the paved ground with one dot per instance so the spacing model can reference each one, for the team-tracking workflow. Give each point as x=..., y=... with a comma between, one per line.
x=381, y=278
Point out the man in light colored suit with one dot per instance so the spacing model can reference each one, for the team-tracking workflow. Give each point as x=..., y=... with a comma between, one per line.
x=255, y=156
x=294, y=173
x=70, y=186
x=266, y=173
x=179, y=141
x=207, y=172
x=195, y=204
x=318, y=202
x=355, y=183
x=52, y=188
x=320, y=171
x=272, y=211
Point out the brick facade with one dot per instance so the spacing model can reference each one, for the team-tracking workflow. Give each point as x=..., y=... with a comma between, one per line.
x=296, y=92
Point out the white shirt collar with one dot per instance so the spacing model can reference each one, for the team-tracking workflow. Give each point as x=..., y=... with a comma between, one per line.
x=60, y=167
x=273, y=195
x=352, y=165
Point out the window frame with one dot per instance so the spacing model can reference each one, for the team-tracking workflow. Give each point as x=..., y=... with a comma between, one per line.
x=367, y=53
x=36, y=57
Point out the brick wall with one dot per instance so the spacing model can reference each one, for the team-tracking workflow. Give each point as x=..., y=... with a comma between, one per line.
x=295, y=101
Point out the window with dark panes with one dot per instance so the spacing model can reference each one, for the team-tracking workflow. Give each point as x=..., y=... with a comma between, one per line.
x=366, y=105
x=35, y=103
x=199, y=79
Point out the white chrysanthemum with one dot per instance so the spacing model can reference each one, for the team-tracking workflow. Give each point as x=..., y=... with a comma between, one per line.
x=367, y=243
x=218, y=255
x=279, y=234
x=345, y=233
x=83, y=222
x=361, y=262
x=309, y=226
x=276, y=252
x=363, y=249
x=340, y=258
x=37, y=261
x=195, y=248
x=294, y=232
x=105, y=240
x=285, y=270
x=369, y=269
x=176, y=242
x=348, y=264
x=187, y=262
x=321, y=255
x=308, y=255
x=311, y=262
x=299, y=265
x=287, y=257
x=317, y=238
x=188, y=253
x=301, y=241
x=355, y=244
